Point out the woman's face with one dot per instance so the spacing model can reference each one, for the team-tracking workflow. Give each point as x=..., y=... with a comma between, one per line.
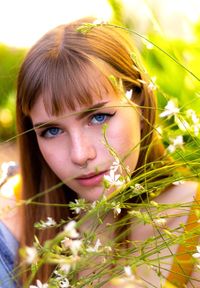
x=74, y=147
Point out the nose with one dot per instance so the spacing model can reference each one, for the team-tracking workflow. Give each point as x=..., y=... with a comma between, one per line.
x=82, y=149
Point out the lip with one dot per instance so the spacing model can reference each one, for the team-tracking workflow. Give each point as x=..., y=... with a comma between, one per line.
x=91, y=179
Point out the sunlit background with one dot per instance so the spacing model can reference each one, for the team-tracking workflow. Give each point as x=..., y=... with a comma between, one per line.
x=22, y=22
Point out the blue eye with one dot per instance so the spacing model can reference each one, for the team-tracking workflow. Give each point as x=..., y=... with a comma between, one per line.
x=99, y=118
x=51, y=132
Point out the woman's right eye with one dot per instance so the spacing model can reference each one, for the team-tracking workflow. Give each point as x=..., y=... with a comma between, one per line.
x=51, y=132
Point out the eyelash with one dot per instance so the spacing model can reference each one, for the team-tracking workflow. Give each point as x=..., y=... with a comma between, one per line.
x=47, y=130
x=59, y=130
x=106, y=115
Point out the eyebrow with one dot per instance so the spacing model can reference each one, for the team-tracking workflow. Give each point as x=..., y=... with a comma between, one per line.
x=91, y=109
x=80, y=115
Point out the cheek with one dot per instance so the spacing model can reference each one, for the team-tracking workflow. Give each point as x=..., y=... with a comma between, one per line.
x=125, y=135
x=125, y=138
x=53, y=156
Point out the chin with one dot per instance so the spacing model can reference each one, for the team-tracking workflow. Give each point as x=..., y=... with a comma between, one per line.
x=91, y=195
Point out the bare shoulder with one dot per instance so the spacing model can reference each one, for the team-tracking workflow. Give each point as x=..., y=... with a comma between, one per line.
x=172, y=219
x=10, y=215
x=173, y=214
x=180, y=193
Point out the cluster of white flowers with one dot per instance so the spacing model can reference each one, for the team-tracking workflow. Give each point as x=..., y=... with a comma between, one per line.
x=78, y=205
x=187, y=122
x=61, y=281
x=117, y=209
x=138, y=187
x=95, y=248
x=31, y=255
x=78, y=208
x=73, y=245
x=160, y=222
x=170, y=109
x=175, y=143
x=70, y=229
x=50, y=222
x=194, y=122
x=114, y=179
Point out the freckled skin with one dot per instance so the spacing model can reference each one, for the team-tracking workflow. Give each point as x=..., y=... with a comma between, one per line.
x=82, y=141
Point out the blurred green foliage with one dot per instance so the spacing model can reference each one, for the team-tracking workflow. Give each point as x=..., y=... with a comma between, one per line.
x=10, y=59
x=173, y=66
x=172, y=79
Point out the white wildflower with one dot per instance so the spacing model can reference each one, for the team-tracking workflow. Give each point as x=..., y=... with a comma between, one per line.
x=49, y=223
x=115, y=165
x=160, y=222
x=39, y=285
x=70, y=229
x=176, y=143
x=64, y=283
x=197, y=255
x=77, y=209
x=45, y=224
x=95, y=248
x=192, y=114
x=171, y=148
x=138, y=187
x=128, y=94
x=31, y=255
x=114, y=179
x=170, y=109
x=182, y=124
x=75, y=246
x=93, y=205
x=65, y=268
x=152, y=84
x=178, y=182
x=128, y=271
x=196, y=129
x=194, y=122
x=117, y=210
x=57, y=274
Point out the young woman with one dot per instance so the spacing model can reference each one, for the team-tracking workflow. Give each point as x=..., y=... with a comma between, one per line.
x=83, y=102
